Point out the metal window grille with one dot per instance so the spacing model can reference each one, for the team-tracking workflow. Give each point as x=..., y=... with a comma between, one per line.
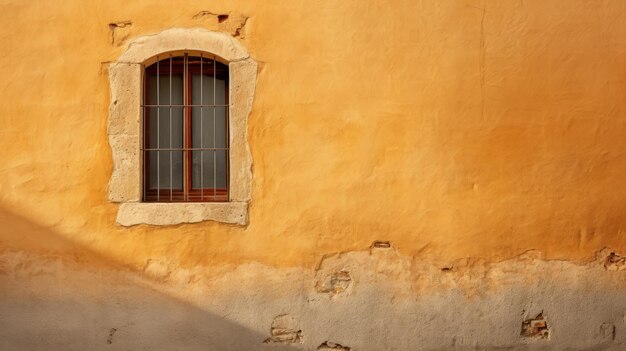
x=185, y=149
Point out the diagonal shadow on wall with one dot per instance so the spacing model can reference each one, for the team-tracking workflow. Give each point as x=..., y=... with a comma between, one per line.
x=56, y=294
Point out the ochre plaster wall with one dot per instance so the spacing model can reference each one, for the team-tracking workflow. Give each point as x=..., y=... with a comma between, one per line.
x=479, y=143
x=450, y=128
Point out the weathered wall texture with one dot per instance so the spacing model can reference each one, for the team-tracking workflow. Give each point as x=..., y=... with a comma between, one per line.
x=484, y=139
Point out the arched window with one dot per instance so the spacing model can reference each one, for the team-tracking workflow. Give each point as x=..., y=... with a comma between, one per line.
x=185, y=149
x=178, y=120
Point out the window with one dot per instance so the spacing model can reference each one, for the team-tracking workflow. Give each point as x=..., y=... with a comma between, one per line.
x=179, y=106
x=185, y=129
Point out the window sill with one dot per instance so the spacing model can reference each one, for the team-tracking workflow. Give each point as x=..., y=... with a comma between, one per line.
x=134, y=213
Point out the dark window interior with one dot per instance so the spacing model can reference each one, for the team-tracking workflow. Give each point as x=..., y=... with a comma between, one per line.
x=185, y=126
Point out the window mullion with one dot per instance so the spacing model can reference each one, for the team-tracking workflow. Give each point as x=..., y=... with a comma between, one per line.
x=187, y=164
x=201, y=129
x=171, y=131
x=158, y=134
x=214, y=141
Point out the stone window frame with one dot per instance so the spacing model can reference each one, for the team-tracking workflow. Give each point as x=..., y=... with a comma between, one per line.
x=125, y=132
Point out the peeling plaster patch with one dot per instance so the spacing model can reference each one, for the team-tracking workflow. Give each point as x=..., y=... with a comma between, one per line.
x=470, y=275
x=110, y=337
x=380, y=244
x=608, y=330
x=158, y=269
x=163, y=270
x=383, y=299
x=536, y=327
x=284, y=330
x=204, y=15
x=231, y=23
x=382, y=265
x=337, y=283
x=240, y=28
x=328, y=345
x=615, y=262
x=120, y=31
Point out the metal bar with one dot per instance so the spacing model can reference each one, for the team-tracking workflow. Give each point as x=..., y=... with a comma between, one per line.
x=171, y=166
x=227, y=134
x=158, y=83
x=201, y=129
x=143, y=135
x=214, y=117
x=185, y=121
x=227, y=148
x=200, y=105
x=190, y=149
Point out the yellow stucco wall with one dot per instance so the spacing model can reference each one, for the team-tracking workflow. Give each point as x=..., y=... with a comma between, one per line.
x=452, y=128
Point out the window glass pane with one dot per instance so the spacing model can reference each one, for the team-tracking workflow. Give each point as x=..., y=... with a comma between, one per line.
x=203, y=125
x=160, y=121
x=163, y=92
x=166, y=169
x=209, y=169
x=208, y=127
x=166, y=121
x=221, y=171
x=203, y=90
x=209, y=130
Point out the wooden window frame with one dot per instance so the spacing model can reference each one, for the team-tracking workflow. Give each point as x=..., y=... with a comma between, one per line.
x=187, y=68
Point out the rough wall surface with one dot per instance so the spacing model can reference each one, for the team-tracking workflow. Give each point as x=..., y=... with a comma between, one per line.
x=370, y=299
x=453, y=129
